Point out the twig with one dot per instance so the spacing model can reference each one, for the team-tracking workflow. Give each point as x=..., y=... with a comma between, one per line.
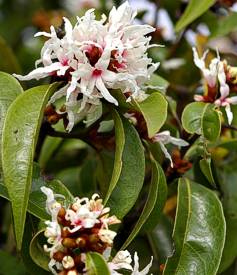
x=226, y=126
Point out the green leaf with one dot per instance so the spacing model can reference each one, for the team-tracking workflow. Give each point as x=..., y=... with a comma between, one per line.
x=211, y=123
x=199, y=231
x=191, y=117
x=131, y=179
x=119, y=141
x=225, y=25
x=8, y=61
x=156, y=213
x=96, y=265
x=9, y=90
x=30, y=229
x=20, y=134
x=154, y=110
x=37, y=252
x=205, y=166
x=194, y=9
x=149, y=205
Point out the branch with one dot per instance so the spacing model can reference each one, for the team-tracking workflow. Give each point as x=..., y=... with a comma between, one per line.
x=230, y=127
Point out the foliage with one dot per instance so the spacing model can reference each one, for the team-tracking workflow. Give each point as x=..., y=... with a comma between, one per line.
x=162, y=155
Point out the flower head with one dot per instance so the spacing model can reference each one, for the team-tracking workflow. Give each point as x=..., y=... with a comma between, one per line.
x=83, y=226
x=95, y=56
x=218, y=78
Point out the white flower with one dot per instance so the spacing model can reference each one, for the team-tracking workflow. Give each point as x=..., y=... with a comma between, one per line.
x=210, y=74
x=136, y=266
x=122, y=260
x=95, y=56
x=164, y=138
x=216, y=75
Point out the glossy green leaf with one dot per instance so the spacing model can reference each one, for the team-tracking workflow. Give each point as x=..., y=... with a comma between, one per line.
x=211, y=123
x=20, y=134
x=37, y=252
x=131, y=179
x=191, y=117
x=96, y=265
x=199, y=231
x=10, y=88
x=119, y=143
x=194, y=9
x=149, y=205
x=154, y=110
x=205, y=166
x=156, y=213
x=8, y=61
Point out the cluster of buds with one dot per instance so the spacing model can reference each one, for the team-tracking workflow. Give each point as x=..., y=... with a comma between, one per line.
x=75, y=230
x=219, y=81
x=79, y=228
x=93, y=57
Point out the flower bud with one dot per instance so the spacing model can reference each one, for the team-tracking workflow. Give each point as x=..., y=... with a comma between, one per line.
x=68, y=262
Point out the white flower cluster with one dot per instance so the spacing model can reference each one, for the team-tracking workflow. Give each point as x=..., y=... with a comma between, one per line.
x=217, y=90
x=95, y=56
x=83, y=227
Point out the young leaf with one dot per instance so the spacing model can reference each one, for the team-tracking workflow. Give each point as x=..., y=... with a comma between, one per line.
x=96, y=265
x=20, y=134
x=131, y=179
x=10, y=88
x=194, y=9
x=199, y=231
x=191, y=117
x=154, y=110
x=205, y=166
x=119, y=141
x=37, y=252
x=211, y=123
x=149, y=205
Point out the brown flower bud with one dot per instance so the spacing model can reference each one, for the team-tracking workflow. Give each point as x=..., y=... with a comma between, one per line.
x=58, y=256
x=69, y=243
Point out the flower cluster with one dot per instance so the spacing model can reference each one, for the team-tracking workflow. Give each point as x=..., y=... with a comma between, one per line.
x=82, y=227
x=94, y=57
x=219, y=78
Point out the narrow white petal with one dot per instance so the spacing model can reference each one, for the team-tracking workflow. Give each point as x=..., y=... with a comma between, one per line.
x=178, y=141
x=166, y=153
x=229, y=113
x=41, y=72
x=105, y=93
